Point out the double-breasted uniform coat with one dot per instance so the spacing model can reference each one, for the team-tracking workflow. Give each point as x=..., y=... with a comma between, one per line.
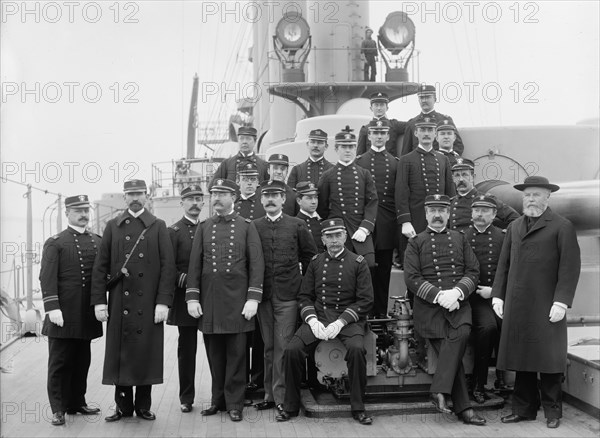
x=309, y=170
x=134, y=343
x=229, y=167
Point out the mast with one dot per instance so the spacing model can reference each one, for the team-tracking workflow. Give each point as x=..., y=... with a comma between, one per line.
x=191, y=138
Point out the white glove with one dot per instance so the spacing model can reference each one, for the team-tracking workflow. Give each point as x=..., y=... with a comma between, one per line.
x=317, y=328
x=250, y=309
x=498, y=306
x=448, y=298
x=454, y=307
x=194, y=309
x=484, y=291
x=333, y=329
x=56, y=317
x=160, y=313
x=557, y=313
x=360, y=235
x=101, y=312
x=408, y=230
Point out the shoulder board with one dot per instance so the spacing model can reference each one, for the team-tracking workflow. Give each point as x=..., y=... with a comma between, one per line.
x=359, y=259
x=315, y=257
x=56, y=236
x=174, y=227
x=247, y=220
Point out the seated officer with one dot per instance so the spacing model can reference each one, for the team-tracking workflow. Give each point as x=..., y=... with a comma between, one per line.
x=463, y=176
x=334, y=300
x=486, y=241
x=441, y=270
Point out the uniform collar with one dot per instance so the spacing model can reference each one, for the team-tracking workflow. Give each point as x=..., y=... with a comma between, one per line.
x=80, y=230
x=345, y=165
x=431, y=230
x=471, y=193
x=313, y=215
x=245, y=156
x=190, y=220
x=478, y=231
x=136, y=215
x=245, y=198
x=228, y=217
x=311, y=159
x=274, y=218
x=381, y=149
x=338, y=255
x=428, y=112
x=423, y=150
x=146, y=217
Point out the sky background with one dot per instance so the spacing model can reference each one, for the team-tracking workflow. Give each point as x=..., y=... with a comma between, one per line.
x=141, y=58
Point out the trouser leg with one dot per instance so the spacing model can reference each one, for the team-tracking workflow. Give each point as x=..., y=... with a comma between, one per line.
x=235, y=362
x=216, y=353
x=143, y=397
x=187, y=346
x=551, y=394
x=526, y=396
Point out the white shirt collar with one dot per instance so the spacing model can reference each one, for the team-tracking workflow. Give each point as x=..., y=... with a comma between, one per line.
x=194, y=221
x=246, y=155
x=135, y=214
x=314, y=214
x=426, y=150
x=277, y=216
x=313, y=160
x=428, y=112
x=481, y=231
x=345, y=164
x=441, y=231
x=336, y=255
x=381, y=149
x=80, y=230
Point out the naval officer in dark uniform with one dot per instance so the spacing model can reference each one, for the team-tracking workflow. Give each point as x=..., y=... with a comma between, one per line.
x=286, y=244
x=463, y=175
x=445, y=136
x=427, y=99
x=248, y=203
x=65, y=280
x=384, y=169
x=486, y=241
x=379, y=106
x=182, y=236
x=279, y=165
x=224, y=289
x=423, y=172
x=336, y=296
x=307, y=197
x=441, y=270
x=136, y=250
x=311, y=169
x=246, y=142
x=348, y=191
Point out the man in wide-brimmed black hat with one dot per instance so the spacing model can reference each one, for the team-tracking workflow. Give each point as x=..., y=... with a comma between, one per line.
x=534, y=285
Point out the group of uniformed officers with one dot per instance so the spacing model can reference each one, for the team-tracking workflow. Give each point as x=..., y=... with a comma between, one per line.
x=311, y=259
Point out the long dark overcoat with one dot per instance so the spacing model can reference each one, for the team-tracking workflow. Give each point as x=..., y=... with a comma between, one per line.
x=134, y=343
x=535, y=269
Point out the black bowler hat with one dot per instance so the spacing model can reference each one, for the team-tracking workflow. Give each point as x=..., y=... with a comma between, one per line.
x=537, y=181
x=437, y=200
x=193, y=190
x=332, y=225
x=305, y=187
x=224, y=185
x=484, y=201
x=272, y=186
x=247, y=130
x=134, y=185
x=77, y=201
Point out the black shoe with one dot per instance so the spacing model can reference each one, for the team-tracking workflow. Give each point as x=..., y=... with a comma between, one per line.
x=470, y=417
x=362, y=418
x=439, y=401
x=58, y=418
x=285, y=415
x=145, y=414
x=235, y=415
x=515, y=418
x=186, y=407
x=212, y=410
x=479, y=395
x=264, y=405
x=552, y=423
x=84, y=410
x=116, y=416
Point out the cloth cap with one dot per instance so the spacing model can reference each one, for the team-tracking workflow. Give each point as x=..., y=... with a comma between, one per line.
x=134, y=185
x=306, y=187
x=77, y=201
x=332, y=225
x=279, y=159
x=193, y=190
x=484, y=201
x=247, y=130
x=223, y=185
x=272, y=186
x=437, y=200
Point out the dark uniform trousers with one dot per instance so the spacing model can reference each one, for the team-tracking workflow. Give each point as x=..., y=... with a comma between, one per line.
x=449, y=377
x=226, y=357
x=381, y=274
x=68, y=365
x=187, y=346
x=526, y=396
x=295, y=356
x=125, y=400
x=485, y=336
